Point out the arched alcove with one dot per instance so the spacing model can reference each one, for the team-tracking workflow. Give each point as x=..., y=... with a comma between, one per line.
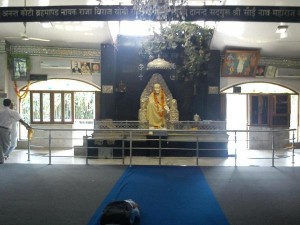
x=257, y=87
x=63, y=85
x=81, y=102
x=238, y=107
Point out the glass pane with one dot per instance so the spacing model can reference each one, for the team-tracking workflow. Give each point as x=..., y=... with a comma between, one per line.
x=281, y=104
x=264, y=113
x=36, y=103
x=25, y=114
x=254, y=110
x=84, y=106
x=67, y=107
x=57, y=107
x=25, y=108
x=281, y=120
x=46, y=107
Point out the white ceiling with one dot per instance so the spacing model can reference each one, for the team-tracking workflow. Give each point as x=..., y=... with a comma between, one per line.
x=259, y=35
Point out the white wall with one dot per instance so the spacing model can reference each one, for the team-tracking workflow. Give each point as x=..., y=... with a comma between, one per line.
x=63, y=73
x=4, y=78
x=291, y=83
x=7, y=86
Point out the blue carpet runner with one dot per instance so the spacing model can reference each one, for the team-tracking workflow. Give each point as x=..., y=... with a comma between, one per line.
x=167, y=195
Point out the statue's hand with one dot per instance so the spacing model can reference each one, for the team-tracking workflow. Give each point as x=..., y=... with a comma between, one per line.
x=167, y=108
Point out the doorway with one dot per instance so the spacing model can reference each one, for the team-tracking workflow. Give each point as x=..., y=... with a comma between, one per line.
x=236, y=119
x=237, y=110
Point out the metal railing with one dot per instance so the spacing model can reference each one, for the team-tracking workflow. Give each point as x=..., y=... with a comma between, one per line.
x=271, y=140
x=50, y=139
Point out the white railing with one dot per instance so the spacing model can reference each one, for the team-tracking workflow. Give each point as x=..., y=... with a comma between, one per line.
x=129, y=141
x=175, y=125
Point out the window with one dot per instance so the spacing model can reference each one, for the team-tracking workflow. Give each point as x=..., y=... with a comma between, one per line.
x=44, y=105
x=281, y=108
x=269, y=110
x=84, y=106
x=51, y=107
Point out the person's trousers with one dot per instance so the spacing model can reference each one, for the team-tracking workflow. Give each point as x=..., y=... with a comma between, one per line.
x=4, y=142
x=12, y=146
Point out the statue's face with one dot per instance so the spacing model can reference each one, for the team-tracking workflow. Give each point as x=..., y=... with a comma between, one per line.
x=156, y=88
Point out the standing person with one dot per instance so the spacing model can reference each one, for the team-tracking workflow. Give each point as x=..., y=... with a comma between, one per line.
x=13, y=136
x=7, y=117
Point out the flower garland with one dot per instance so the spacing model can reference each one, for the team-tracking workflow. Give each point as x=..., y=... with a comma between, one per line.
x=21, y=96
x=161, y=103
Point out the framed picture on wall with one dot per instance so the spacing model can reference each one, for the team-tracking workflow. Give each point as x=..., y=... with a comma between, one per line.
x=213, y=90
x=86, y=68
x=260, y=71
x=76, y=67
x=271, y=71
x=20, y=69
x=95, y=68
x=240, y=63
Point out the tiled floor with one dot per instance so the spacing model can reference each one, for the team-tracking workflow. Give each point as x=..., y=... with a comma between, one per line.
x=244, y=158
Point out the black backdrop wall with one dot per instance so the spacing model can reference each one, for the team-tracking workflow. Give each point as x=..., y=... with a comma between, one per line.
x=120, y=63
x=107, y=100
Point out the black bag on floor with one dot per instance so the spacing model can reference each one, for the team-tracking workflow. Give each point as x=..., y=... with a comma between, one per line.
x=116, y=213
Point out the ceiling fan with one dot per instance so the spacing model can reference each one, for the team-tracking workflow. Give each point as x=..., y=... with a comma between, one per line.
x=23, y=36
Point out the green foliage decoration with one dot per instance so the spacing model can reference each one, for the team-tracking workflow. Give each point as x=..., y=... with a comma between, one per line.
x=10, y=61
x=184, y=44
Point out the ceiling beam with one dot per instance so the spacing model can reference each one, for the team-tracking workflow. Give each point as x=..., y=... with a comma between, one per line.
x=121, y=12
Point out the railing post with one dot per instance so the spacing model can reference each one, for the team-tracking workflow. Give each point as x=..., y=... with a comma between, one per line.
x=159, y=149
x=28, y=146
x=87, y=157
x=85, y=144
x=130, y=148
x=293, y=148
x=235, y=148
x=123, y=148
x=197, y=151
x=49, y=147
x=273, y=150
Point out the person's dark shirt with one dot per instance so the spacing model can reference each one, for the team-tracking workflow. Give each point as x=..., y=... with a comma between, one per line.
x=76, y=70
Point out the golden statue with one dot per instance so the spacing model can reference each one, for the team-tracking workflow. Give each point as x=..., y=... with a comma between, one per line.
x=157, y=108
